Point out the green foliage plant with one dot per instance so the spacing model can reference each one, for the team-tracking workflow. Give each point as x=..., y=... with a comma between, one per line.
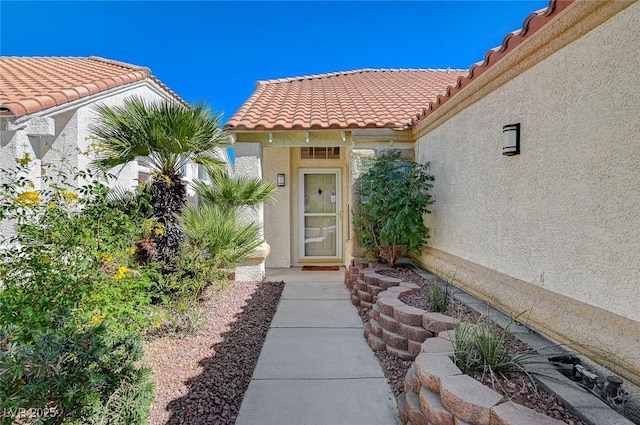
x=220, y=233
x=393, y=197
x=233, y=193
x=72, y=302
x=440, y=297
x=484, y=348
x=169, y=135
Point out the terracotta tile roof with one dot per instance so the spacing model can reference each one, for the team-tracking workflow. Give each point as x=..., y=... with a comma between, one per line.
x=32, y=84
x=532, y=23
x=364, y=98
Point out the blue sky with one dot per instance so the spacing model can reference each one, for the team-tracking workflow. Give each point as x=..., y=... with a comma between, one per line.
x=216, y=51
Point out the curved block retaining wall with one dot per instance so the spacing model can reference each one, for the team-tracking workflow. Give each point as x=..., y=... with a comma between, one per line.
x=393, y=326
x=438, y=393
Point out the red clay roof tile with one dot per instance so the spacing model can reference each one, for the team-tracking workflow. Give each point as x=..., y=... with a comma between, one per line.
x=532, y=23
x=370, y=98
x=32, y=84
x=365, y=98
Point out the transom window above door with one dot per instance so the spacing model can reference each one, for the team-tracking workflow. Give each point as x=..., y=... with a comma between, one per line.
x=315, y=152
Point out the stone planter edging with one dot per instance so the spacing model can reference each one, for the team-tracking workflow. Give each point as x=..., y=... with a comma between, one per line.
x=436, y=391
x=393, y=326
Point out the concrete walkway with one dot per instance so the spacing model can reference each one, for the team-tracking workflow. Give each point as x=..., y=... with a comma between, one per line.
x=315, y=367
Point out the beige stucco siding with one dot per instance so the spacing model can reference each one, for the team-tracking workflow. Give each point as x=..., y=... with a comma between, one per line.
x=563, y=215
x=277, y=214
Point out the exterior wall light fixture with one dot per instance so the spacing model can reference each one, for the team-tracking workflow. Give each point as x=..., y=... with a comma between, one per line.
x=270, y=137
x=280, y=180
x=511, y=139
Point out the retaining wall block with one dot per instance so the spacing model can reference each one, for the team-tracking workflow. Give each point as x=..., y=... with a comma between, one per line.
x=365, y=296
x=511, y=413
x=386, y=305
x=361, y=285
x=433, y=408
x=414, y=347
x=388, y=323
x=437, y=322
x=375, y=313
x=437, y=346
x=367, y=329
x=414, y=333
x=432, y=369
x=394, y=340
x=355, y=300
x=402, y=408
x=376, y=343
x=366, y=304
x=410, y=285
x=388, y=294
x=401, y=354
x=371, y=278
x=410, y=379
x=399, y=289
x=468, y=399
x=448, y=335
x=376, y=329
x=387, y=282
x=374, y=290
x=408, y=315
x=414, y=410
x=362, y=275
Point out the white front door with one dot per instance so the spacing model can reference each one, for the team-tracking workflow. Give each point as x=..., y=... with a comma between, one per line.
x=320, y=214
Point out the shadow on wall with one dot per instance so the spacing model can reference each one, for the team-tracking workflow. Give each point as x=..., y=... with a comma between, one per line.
x=216, y=394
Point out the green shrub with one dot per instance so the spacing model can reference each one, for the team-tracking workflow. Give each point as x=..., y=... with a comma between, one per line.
x=393, y=196
x=72, y=303
x=78, y=373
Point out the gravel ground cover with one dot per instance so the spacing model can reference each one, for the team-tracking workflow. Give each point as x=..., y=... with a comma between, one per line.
x=201, y=379
x=516, y=387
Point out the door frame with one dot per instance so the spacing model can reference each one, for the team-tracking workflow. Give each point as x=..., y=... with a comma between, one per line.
x=338, y=214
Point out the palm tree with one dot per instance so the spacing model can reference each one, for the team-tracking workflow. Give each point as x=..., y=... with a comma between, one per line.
x=216, y=225
x=170, y=135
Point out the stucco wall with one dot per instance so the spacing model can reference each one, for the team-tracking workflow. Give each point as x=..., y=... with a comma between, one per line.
x=248, y=163
x=277, y=214
x=59, y=136
x=563, y=215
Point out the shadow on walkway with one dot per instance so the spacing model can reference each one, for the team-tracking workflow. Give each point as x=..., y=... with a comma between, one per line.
x=216, y=394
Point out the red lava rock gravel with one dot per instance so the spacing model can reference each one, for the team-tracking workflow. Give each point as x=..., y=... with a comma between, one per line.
x=201, y=379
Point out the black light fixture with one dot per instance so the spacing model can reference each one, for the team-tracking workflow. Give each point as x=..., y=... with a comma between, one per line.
x=280, y=180
x=511, y=139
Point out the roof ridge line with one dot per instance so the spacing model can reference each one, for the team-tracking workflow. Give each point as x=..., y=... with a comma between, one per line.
x=120, y=63
x=354, y=71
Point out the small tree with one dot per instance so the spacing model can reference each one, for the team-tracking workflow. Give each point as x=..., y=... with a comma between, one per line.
x=393, y=197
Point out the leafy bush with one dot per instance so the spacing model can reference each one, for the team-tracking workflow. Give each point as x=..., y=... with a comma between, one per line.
x=393, y=197
x=79, y=373
x=71, y=302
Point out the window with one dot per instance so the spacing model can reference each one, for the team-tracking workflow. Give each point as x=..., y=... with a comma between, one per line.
x=320, y=153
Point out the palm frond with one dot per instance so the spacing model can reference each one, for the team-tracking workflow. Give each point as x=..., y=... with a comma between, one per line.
x=227, y=240
x=232, y=193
